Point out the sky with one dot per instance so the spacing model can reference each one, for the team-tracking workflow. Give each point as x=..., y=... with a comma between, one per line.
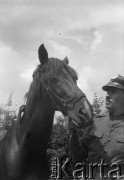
x=89, y=32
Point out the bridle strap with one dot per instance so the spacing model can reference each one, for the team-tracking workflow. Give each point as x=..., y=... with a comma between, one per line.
x=57, y=102
x=53, y=102
x=61, y=104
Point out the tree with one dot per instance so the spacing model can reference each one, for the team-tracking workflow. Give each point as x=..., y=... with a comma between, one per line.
x=7, y=116
x=9, y=101
x=97, y=105
x=58, y=145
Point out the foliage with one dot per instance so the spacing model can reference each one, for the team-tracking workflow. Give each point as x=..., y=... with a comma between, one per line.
x=97, y=105
x=7, y=116
x=58, y=145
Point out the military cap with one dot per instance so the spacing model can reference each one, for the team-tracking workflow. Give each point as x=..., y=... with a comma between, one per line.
x=116, y=82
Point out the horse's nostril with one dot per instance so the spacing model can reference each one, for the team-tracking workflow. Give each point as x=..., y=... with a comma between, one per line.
x=81, y=111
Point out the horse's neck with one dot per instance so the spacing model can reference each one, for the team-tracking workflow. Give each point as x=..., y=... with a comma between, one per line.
x=28, y=139
x=37, y=126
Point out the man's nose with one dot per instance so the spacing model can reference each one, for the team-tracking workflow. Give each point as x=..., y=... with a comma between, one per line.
x=107, y=96
x=108, y=93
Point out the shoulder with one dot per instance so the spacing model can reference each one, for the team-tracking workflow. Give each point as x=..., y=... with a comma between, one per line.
x=100, y=122
x=101, y=119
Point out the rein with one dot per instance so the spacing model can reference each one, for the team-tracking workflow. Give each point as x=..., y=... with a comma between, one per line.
x=61, y=104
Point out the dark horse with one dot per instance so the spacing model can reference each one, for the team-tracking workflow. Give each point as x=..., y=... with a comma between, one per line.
x=23, y=149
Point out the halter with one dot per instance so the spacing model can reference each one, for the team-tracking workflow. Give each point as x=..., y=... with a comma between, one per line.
x=61, y=104
x=57, y=102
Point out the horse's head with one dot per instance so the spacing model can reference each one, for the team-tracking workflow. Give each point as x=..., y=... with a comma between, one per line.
x=59, y=83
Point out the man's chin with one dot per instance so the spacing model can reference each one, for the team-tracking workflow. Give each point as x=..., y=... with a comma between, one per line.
x=108, y=106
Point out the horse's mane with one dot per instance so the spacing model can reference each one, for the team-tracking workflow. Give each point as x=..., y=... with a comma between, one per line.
x=40, y=75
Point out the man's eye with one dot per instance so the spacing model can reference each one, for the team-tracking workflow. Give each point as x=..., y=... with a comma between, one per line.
x=113, y=91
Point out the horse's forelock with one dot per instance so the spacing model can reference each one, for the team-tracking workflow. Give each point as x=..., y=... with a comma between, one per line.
x=40, y=76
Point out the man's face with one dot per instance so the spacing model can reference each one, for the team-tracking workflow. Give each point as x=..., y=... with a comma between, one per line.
x=115, y=100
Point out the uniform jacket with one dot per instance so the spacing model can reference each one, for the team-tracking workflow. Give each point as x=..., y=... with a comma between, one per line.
x=104, y=141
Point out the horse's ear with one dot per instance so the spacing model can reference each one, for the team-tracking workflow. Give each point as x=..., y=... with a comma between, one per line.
x=43, y=54
x=66, y=61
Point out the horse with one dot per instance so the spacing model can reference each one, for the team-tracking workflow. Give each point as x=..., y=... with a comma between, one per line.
x=23, y=150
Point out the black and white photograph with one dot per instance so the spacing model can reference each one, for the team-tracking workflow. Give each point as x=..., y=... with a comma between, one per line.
x=61, y=89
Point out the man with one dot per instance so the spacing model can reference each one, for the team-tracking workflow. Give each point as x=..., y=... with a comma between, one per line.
x=100, y=151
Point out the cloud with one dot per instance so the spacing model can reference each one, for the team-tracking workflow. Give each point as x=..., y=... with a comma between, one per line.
x=8, y=59
x=59, y=50
x=11, y=66
x=27, y=75
x=97, y=40
x=23, y=27
x=89, y=32
x=85, y=73
x=87, y=39
x=98, y=15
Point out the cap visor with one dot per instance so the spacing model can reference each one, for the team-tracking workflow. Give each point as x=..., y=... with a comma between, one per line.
x=108, y=87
